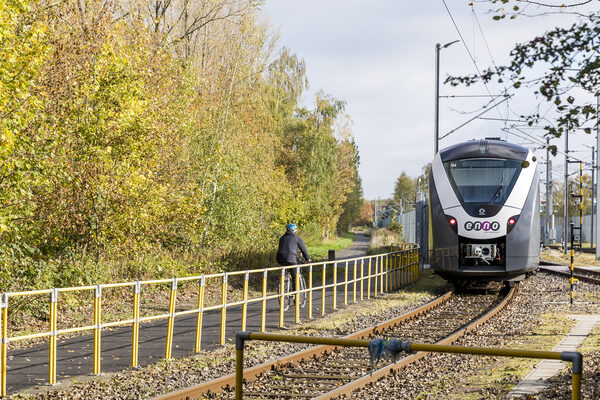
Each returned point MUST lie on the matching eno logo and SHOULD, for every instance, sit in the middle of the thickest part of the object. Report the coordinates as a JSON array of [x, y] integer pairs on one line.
[[482, 226]]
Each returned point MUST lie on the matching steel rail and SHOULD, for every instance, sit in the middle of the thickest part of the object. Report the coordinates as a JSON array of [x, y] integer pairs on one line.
[[251, 374], [402, 363], [583, 278]]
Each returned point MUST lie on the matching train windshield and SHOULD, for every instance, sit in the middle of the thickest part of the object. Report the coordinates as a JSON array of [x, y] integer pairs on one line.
[[483, 180]]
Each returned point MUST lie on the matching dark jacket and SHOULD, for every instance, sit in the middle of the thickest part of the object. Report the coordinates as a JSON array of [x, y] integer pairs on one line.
[[289, 244]]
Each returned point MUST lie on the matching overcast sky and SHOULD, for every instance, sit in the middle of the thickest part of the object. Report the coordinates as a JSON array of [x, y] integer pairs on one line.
[[379, 57]]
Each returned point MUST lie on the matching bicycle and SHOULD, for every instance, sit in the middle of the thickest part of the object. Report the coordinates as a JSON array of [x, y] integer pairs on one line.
[[288, 287]]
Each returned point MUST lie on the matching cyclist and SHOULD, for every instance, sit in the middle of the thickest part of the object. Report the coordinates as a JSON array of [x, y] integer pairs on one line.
[[287, 252]]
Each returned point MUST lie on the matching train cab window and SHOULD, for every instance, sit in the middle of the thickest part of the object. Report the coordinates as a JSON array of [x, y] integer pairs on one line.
[[483, 180]]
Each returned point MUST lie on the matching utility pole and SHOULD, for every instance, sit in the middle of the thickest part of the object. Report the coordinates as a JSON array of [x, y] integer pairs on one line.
[[592, 204], [375, 213], [550, 236], [436, 119], [544, 234], [566, 199], [598, 175]]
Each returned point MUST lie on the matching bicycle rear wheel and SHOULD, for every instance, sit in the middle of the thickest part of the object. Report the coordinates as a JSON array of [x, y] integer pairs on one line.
[[303, 294], [287, 288]]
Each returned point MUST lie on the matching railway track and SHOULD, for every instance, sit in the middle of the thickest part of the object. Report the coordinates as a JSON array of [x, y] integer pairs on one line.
[[583, 274], [325, 372]]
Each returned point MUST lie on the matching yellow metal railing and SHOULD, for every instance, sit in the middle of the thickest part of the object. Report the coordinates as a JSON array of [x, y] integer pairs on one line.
[[384, 272], [575, 358]]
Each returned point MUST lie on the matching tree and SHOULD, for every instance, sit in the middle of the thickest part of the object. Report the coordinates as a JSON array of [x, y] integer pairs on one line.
[[567, 58], [366, 213], [405, 189], [23, 50], [423, 179], [157, 132], [354, 201], [573, 203]]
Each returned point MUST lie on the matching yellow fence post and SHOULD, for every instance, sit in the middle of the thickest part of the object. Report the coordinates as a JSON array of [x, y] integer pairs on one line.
[[346, 283], [381, 275], [323, 289], [409, 262], [410, 265], [354, 281], [200, 314], [52, 350], [388, 282], [97, 328], [369, 279], [416, 251], [171, 321], [391, 272], [4, 308], [396, 271], [419, 257], [399, 270], [297, 299], [245, 299], [281, 296], [310, 279], [263, 311], [362, 277], [376, 276], [135, 329], [403, 266], [335, 285], [223, 309], [415, 264]]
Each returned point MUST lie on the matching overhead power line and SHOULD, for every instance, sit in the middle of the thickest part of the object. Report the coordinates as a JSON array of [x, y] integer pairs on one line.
[[469, 53]]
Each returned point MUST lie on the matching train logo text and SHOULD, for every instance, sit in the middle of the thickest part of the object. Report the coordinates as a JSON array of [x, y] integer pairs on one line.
[[482, 226]]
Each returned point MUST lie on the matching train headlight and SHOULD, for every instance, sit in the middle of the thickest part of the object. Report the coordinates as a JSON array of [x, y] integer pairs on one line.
[[512, 221], [453, 223]]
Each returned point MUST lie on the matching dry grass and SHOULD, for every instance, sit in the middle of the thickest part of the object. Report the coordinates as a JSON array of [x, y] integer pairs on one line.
[[558, 256]]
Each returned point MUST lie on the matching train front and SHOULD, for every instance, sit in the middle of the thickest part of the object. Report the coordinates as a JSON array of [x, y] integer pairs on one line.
[[484, 212]]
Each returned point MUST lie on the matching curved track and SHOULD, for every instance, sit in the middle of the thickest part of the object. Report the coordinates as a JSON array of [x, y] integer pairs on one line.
[[325, 372], [583, 274]]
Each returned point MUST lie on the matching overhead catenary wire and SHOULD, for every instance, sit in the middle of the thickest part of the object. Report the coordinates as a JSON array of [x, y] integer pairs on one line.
[[469, 53], [534, 139]]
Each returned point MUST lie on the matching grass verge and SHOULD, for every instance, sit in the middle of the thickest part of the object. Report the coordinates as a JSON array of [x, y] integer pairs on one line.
[[318, 250]]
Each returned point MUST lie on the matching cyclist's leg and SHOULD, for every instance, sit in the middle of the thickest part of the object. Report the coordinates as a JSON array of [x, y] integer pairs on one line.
[[293, 276]]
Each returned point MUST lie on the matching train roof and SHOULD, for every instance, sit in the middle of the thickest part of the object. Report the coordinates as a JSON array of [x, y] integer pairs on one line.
[[487, 148]]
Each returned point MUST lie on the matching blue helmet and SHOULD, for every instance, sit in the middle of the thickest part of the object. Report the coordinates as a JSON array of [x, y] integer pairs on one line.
[[292, 227]]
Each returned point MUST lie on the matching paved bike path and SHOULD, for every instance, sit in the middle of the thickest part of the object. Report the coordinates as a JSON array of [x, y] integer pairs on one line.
[[28, 368]]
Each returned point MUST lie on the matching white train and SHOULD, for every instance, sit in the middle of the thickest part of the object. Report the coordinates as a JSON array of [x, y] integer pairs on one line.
[[484, 212]]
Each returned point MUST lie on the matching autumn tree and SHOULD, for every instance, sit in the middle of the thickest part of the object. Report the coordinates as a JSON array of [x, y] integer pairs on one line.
[[157, 138], [23, 49], [366, 213]]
